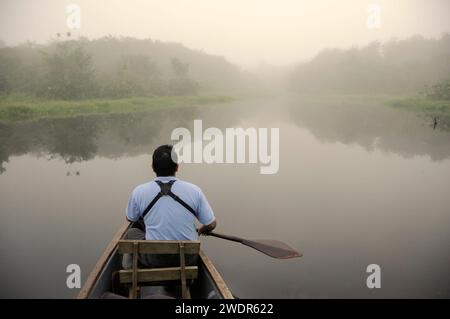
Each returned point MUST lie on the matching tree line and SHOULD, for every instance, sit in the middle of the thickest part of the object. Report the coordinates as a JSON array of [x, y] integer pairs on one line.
[[112, 68], [415, 64]]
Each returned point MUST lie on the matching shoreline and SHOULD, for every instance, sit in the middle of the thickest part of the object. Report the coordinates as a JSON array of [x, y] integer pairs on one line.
[[16, 109], [422, 106]]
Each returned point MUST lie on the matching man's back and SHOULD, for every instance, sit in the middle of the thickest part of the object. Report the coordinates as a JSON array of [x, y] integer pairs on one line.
[[168, 219]]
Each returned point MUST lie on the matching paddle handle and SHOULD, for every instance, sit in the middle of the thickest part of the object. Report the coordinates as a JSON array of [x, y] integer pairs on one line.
[[227, 237]]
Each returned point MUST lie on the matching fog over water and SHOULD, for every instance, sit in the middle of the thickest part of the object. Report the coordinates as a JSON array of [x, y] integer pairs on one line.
[[359, 91], [350, 191]]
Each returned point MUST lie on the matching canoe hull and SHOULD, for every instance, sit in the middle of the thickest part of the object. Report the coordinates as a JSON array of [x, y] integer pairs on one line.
[[208, 285]]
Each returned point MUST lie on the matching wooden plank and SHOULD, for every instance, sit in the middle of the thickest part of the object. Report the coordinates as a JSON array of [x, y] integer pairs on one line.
[[159, 246], [183, 272], [92, 278], [158, 274], [133, 294], [220, 283]]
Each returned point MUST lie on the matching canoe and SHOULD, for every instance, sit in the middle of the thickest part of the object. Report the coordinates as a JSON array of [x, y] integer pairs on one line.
[[208, 285]]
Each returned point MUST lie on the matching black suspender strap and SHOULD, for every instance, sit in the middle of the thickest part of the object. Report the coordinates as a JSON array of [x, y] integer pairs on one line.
[[182, 202], [166, 190], [152, 203]]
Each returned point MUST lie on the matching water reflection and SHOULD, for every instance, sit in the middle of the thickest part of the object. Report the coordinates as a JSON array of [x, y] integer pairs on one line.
[[372, 126], [82, 138], [357, 184]]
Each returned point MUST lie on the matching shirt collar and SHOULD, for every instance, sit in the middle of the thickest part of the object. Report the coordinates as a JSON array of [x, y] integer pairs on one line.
[[165, 178]]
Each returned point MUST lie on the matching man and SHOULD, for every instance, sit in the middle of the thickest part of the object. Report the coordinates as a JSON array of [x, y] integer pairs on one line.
[[169, 208]]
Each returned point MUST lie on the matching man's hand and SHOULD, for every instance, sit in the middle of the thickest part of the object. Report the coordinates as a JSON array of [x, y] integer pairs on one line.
[[205, 229]]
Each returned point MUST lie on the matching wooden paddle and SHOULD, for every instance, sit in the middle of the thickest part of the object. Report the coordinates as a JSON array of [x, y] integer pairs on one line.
[[272, 248]]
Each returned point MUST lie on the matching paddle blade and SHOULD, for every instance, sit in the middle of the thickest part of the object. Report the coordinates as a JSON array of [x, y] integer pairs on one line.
[[273, 248]]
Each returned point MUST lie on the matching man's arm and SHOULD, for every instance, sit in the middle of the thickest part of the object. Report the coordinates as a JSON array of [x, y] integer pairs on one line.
[[205, 214], [129, 220], [132, 213], [207, 228]]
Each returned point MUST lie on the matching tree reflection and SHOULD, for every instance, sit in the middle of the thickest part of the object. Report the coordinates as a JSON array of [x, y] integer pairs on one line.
[[81, 138], [371, 125]]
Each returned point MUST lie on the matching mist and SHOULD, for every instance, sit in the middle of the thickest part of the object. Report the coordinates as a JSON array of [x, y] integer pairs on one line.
[[245, 32], [356, 92]]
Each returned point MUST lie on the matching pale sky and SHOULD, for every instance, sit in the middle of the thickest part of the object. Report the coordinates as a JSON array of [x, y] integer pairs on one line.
[[246, 32]]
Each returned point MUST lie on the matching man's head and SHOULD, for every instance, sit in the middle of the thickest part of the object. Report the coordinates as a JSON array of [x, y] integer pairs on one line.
[[163, 165]]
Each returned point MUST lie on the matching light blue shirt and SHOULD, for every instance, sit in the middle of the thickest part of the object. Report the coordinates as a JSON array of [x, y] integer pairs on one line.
[[168, 219]]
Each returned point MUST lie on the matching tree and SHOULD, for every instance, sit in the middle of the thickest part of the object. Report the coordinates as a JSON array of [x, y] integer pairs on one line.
[[138, 75], [181, 69], [181, 84], [9, 66], [68, 72], [440, 91]]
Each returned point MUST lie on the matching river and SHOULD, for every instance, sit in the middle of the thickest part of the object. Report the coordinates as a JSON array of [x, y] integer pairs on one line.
[[358, 184]]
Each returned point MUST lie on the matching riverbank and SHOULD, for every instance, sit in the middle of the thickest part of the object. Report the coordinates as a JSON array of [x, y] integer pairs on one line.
[[435, 111], [424, 107], [24, 108]]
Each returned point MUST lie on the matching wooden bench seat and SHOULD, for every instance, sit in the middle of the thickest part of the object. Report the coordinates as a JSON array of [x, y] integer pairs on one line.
[[137, 275]]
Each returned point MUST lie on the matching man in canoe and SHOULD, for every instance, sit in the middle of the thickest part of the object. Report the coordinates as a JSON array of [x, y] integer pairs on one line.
[[168, 207]]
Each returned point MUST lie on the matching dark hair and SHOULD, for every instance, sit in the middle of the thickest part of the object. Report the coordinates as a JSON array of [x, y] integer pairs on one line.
[[163, 165]]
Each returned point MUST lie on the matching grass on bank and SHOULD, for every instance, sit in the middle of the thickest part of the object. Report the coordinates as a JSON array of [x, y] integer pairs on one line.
[[434, 108], [24, 108], [439, 110], [422, 105], [415, 103], [409, 102]]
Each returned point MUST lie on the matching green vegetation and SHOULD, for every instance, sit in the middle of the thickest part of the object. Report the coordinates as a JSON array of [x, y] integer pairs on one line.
[[67, 72], [435, 103], [396, 67], [15, 108], [114, 68], [108, 75], [439, 91], [426, 106]]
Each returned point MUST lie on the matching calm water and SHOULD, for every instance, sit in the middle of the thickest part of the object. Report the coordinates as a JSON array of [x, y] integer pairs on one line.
[[358, 184]]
